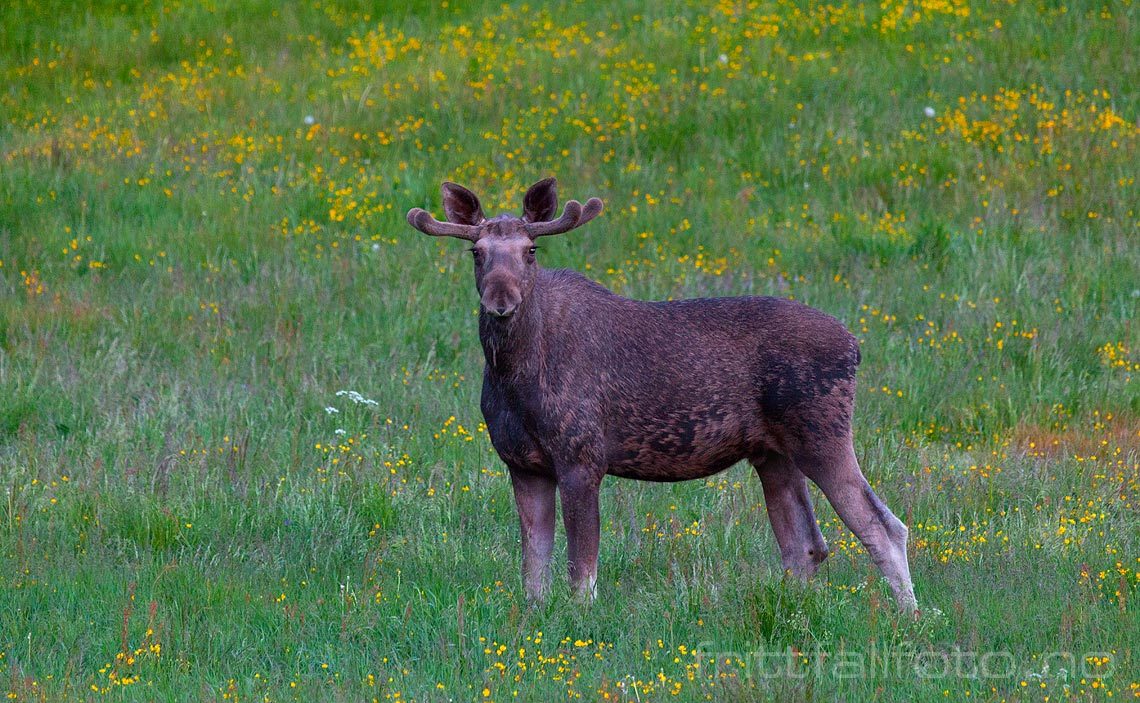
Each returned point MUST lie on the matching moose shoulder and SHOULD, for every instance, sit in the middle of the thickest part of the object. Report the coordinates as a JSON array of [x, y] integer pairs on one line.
[[580, 383]]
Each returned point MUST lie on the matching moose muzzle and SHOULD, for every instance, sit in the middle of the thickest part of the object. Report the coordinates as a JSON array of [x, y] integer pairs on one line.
[[501, 298]]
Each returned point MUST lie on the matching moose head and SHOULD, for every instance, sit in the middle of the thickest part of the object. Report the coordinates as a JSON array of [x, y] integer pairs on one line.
[[503, 247]]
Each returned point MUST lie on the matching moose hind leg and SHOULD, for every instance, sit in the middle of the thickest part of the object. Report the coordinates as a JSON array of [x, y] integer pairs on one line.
[[802, 547], [882, 534], [535, 500]]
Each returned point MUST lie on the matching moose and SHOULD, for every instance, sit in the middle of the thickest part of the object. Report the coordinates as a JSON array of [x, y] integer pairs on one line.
[[580, 382]]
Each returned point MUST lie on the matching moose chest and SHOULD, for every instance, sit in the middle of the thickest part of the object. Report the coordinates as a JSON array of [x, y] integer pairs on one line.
[[536, 429], [506, 411]]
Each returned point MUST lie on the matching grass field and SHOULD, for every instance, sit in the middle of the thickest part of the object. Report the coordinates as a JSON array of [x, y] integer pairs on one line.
[[240, 443]]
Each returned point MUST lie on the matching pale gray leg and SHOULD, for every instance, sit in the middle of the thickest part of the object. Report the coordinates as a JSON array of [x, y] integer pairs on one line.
[[786, 496], [882, 534], [534, 498]]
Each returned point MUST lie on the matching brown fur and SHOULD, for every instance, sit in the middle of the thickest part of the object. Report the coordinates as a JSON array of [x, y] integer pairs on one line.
[[580, 383]]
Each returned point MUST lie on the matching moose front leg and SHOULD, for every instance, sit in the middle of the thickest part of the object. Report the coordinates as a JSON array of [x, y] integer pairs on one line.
[[578, 490], [534, 498]]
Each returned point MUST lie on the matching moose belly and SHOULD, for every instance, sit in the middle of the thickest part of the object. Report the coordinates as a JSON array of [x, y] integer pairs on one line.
[[676, 451]]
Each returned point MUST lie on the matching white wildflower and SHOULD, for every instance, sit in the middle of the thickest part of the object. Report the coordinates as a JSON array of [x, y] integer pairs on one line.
[[357, 398]]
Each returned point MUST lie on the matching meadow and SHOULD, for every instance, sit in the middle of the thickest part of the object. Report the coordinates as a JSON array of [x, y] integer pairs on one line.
[[240, 443]]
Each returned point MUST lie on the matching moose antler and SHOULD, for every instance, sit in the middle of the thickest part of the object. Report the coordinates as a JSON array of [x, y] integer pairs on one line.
[[424, 222], [573, 215]]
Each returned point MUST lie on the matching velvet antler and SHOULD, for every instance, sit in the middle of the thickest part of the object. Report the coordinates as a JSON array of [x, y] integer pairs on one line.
[[573, 215]]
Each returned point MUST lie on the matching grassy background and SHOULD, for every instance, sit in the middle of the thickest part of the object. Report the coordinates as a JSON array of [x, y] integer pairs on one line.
[[202, 244]]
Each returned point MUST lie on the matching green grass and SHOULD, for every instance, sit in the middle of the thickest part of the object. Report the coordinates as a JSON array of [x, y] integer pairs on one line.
[[202, 241]]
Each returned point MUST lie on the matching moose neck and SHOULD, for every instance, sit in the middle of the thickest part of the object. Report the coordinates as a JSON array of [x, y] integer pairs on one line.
[[511, 345]]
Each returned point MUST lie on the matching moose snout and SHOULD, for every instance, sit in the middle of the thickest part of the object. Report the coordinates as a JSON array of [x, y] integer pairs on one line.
[[501, 310], [500, 302]]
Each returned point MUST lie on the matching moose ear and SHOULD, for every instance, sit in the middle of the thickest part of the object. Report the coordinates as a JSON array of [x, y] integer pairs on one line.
[[461, 206], [540, 203]]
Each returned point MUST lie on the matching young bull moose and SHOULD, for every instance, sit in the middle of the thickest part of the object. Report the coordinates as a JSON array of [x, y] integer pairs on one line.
[[580, 383]]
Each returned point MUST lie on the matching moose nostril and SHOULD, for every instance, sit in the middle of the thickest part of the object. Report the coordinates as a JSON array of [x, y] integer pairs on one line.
[[499, 308], [500, 305]]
